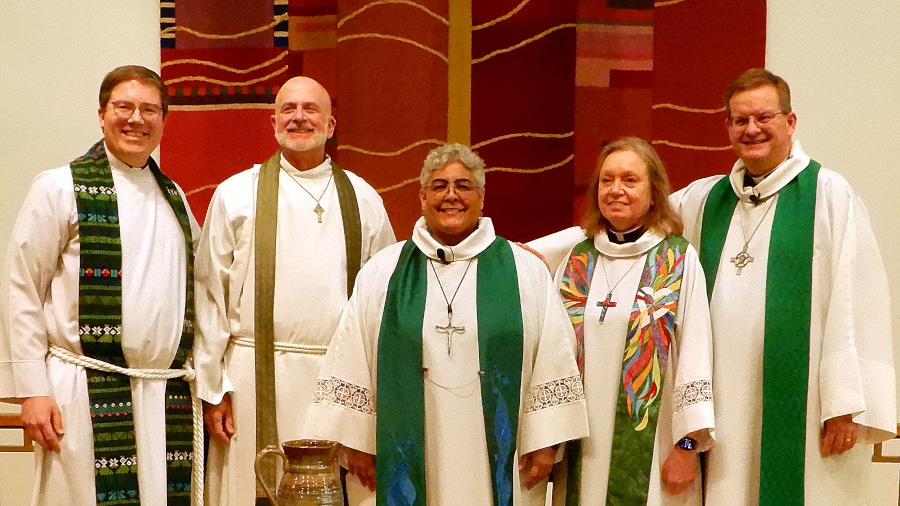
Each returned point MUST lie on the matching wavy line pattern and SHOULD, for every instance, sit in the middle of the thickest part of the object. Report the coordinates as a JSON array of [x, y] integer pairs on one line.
[[690, 146], [522, 134], [234, 36], [524, 42], [682, 108], [347, 147], [393, 37], [368, 6], [532, 171], [208, 63], [204, 79], [399, 185], [412, 180], [503, 17], [201, 189]]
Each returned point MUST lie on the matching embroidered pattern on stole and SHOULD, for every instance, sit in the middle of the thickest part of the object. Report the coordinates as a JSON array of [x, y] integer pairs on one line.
[[100, 330]]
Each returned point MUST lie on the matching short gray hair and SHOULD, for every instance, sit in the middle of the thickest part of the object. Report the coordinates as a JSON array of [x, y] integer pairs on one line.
[[442, 155]]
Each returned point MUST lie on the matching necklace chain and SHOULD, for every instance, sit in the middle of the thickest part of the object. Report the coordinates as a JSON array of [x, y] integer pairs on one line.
[[743, 259], [612, 288], [318, 209], [608, 302], [450, 329]]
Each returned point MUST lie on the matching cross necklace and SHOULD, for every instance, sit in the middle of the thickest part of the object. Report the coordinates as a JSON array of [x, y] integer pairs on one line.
[[449, 328], [318, 209], [743, 258], [608, 302]]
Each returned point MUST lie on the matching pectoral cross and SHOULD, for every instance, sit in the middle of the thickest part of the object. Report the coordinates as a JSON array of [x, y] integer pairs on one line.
[[742, 259], [318, 210], [449, 329], [607, 303]]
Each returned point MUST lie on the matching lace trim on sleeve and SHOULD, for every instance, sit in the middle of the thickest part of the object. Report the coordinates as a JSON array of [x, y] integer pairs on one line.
[[554, 393], [345, 394], [695, 392]]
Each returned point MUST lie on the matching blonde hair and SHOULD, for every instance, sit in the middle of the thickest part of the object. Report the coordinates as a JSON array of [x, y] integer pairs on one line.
[[661, 217]]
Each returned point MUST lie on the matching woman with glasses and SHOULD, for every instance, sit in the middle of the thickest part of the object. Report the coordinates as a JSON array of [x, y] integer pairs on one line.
[[636, 297]]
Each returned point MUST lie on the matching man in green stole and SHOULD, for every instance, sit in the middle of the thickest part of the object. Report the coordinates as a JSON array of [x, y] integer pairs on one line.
[[804, 375], [98, 314], [276, 261], [452, 374]]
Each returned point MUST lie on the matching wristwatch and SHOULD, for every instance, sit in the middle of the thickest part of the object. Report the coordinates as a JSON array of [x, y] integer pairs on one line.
[[687, 444]]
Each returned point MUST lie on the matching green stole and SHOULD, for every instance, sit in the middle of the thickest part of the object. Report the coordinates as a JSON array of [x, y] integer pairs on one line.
[[264, 325], [400, 425], [651, 328], [100, 329], [787, 325]]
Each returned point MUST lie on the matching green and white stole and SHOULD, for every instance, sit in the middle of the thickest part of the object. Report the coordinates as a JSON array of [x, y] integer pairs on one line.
[[265, 234], [400, 431], [100, 328], [787, 325], [651, 327]]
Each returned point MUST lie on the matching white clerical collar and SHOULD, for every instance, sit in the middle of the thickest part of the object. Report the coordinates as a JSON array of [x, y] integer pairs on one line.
[[119, 164], [319, 171], [772, 183], [629, 249], [468, 248]]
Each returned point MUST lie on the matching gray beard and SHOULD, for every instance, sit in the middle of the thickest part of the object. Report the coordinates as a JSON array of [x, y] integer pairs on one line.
[[317, 141]]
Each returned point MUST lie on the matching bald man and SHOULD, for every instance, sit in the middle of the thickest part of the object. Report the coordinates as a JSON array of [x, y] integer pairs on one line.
[[259, 339]]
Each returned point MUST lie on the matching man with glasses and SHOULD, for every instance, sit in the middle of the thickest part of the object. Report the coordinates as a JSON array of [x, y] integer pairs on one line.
[[804, 374], [276, 262], [99, 277], [452, 374]]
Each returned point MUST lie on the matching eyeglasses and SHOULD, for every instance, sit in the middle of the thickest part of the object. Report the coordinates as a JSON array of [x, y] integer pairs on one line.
[[462, 186], [741, 122], [126, 110]]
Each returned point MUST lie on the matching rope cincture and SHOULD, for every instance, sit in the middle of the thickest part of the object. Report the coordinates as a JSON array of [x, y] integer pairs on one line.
[[187, 372], [309, 349]]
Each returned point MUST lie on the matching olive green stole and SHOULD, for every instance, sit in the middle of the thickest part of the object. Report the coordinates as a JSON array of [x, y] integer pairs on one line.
[[651, 328], [265, 233], [100, 329], [400, 422], [787, 325]]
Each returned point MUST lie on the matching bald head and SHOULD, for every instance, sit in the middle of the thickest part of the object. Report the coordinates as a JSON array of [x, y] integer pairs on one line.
[[303, 121]]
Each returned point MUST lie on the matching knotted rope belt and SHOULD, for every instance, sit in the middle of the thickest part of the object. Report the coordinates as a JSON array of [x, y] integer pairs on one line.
[[308, 349], [187, 373]]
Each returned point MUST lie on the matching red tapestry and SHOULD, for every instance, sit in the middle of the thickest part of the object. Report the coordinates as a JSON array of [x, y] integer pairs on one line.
[[535, 86]]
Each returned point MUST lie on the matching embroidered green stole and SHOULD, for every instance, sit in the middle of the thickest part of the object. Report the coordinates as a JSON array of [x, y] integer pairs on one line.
[[651, 327], [400, 430], [100, 329], [787, 325], [265, 233]]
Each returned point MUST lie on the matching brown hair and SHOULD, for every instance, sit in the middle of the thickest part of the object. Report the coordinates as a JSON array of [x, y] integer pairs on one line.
[[126, 73], [661, 217], [755, 78]]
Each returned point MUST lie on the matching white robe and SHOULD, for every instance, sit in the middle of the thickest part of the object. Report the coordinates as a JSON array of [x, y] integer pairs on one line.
[[851, 368], [689, 364], [39, 308], [456, 469], [310, 292]]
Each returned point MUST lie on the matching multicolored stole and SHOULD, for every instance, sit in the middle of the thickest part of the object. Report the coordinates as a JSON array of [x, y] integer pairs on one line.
[[400, 425], [651, 327], [100, 328], [787, 325], [265, 234]]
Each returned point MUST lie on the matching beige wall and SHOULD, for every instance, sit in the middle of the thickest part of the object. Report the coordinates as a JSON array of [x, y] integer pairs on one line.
[[839, 57]]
